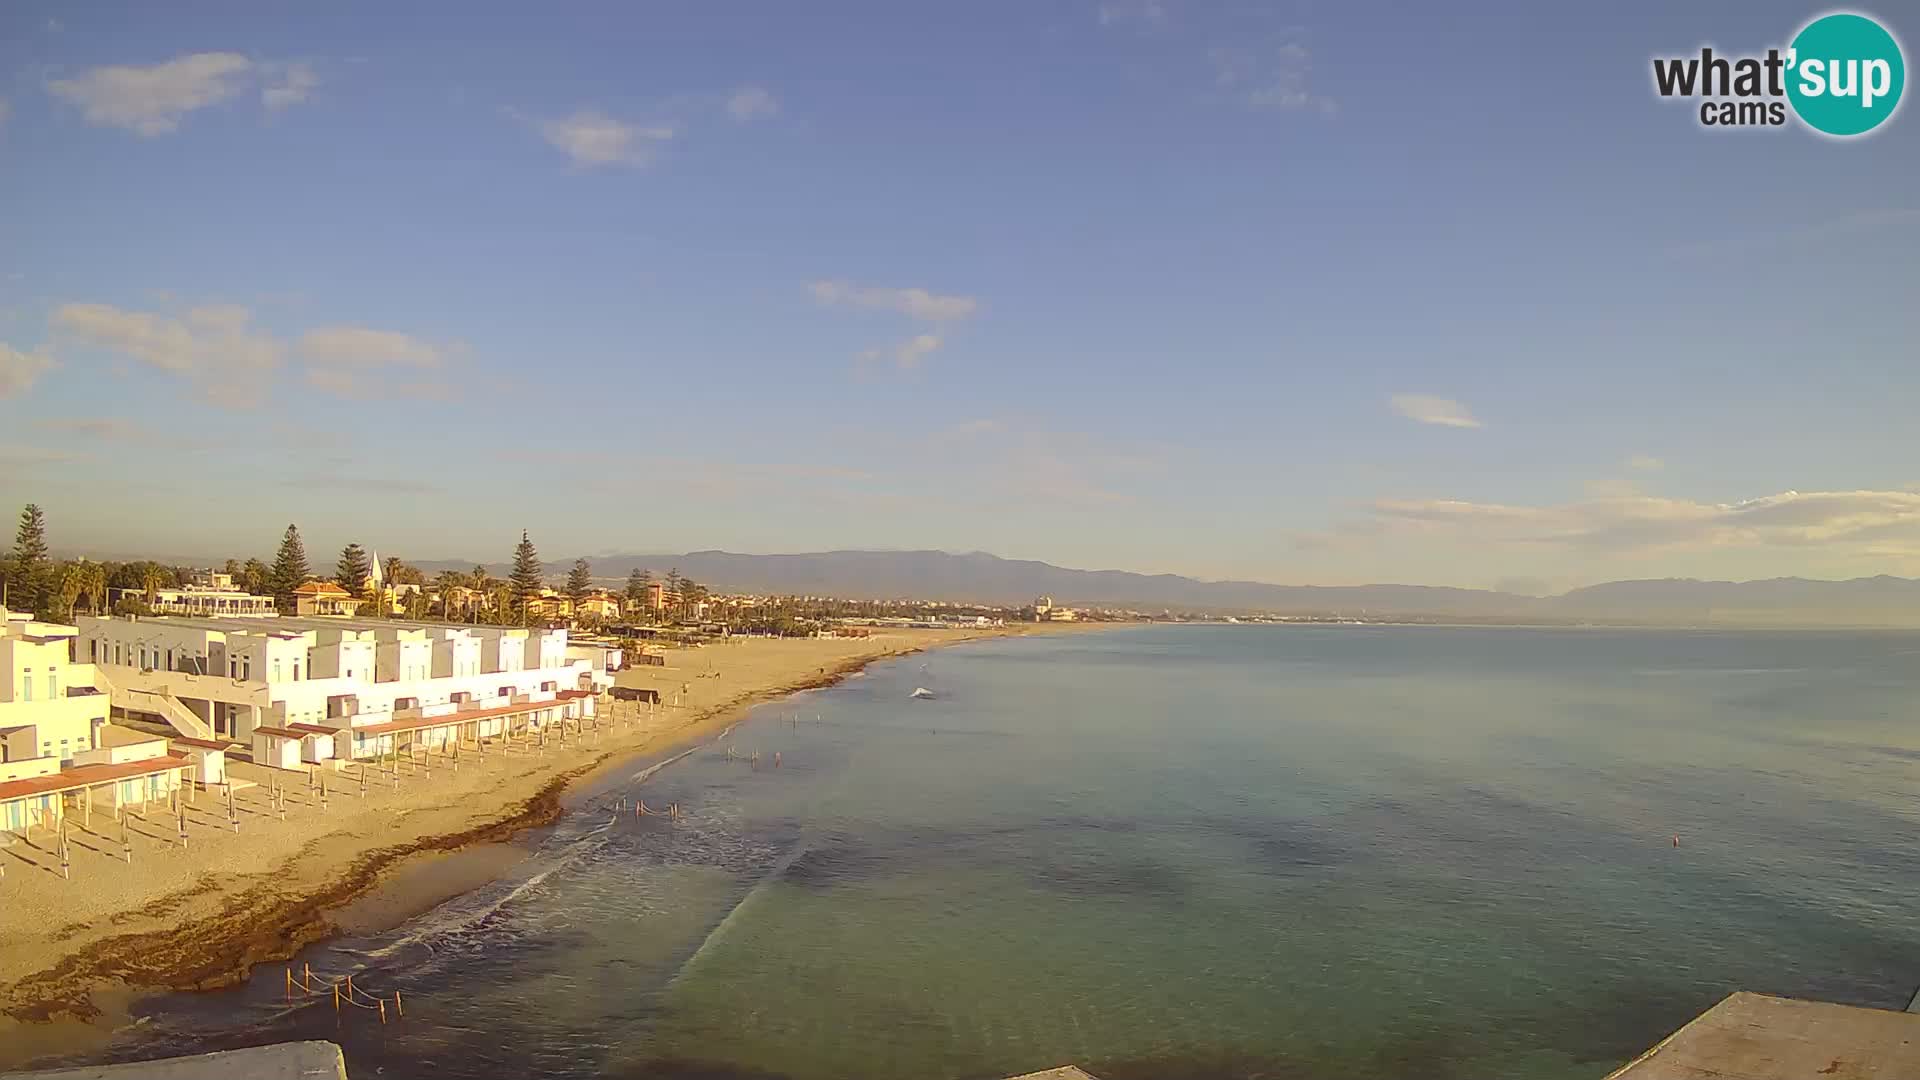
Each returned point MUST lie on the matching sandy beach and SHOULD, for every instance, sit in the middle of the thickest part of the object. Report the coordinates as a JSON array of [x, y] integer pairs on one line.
[[200, 918]]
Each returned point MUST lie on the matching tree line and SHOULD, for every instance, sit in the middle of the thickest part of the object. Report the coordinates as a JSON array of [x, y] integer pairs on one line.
[[32, 581]]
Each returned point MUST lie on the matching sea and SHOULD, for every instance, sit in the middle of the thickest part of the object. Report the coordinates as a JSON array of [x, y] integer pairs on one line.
[[1185, 853]]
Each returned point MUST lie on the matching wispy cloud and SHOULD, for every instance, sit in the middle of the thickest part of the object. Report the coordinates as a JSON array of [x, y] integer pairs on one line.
[[1430, 409], [20, 370], [1630, 523], [360, 346], [1270, 77], [153, 100], [915, 302], [907, 355], [751, 102], [290, 86], [593, 139], [364, 364], [1645, 463], [214, 348]]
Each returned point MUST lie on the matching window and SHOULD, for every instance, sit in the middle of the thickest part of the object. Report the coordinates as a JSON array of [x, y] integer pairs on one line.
[[53, 685], [26, 688]]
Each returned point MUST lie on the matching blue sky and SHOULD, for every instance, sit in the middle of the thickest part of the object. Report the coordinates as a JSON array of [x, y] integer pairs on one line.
[[1297, 292]]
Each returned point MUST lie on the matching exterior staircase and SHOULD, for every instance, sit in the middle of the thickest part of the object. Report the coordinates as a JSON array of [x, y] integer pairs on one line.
[[158, 702]]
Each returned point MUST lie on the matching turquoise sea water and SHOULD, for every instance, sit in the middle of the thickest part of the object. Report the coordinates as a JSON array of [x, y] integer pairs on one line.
[[1180, 852]]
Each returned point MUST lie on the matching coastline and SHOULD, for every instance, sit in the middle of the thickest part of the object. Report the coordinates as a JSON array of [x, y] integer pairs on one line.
[[212, 928]]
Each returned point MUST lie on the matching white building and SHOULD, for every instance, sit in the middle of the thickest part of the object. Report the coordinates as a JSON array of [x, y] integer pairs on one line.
[[210, 594], [357, 681], [50, 707]]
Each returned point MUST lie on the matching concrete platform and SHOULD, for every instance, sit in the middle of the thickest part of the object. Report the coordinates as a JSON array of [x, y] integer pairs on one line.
[[1757, 1037], [1064, 1072], [280, 1061]]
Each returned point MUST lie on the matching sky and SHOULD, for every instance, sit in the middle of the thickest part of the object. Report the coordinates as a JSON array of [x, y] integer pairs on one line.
[[1295, 292]]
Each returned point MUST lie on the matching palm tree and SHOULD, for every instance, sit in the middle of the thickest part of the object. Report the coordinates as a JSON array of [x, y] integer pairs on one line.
[[445, 582], [96, 587], [73, 582], [151, 579]]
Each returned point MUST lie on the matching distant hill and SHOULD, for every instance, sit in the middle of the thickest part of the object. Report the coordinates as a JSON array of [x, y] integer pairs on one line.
[[989, 579]]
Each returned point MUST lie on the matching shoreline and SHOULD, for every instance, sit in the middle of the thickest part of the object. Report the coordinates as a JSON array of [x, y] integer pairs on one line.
[[260, 921]]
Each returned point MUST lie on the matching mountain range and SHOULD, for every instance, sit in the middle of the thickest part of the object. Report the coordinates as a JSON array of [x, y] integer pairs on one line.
[[988, 579]]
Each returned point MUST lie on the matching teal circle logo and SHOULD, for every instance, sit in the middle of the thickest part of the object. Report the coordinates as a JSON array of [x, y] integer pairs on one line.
[[1845, 74]]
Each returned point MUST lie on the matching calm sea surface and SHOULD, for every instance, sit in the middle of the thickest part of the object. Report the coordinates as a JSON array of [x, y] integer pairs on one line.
[[1189, 852]]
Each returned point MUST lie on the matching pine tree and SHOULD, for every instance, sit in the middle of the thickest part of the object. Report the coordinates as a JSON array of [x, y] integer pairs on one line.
[[579, 581], [290, 569], [353, 569], [525, 578], [637, 586], [29, 574]]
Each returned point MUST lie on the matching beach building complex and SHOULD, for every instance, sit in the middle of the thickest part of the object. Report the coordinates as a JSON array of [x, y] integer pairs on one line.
[[308, 690], [55, 741], [210, 594], [50, 707]]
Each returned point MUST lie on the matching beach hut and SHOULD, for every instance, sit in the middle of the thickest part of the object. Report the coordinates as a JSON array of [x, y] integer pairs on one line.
[[316, 742], [637, 693], [277, 747], [207, 758]]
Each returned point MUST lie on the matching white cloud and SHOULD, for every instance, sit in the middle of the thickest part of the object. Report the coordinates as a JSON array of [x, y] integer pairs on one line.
[[1132, 13], [292, 87], [1429, 409], [749, 102], [357, 362], [1645, 463], [20, 370], [152, 100], [907, 355], [1271, 78], [592, 138], [212, 347], [918, 303], [360, 346], [1882, 520]]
